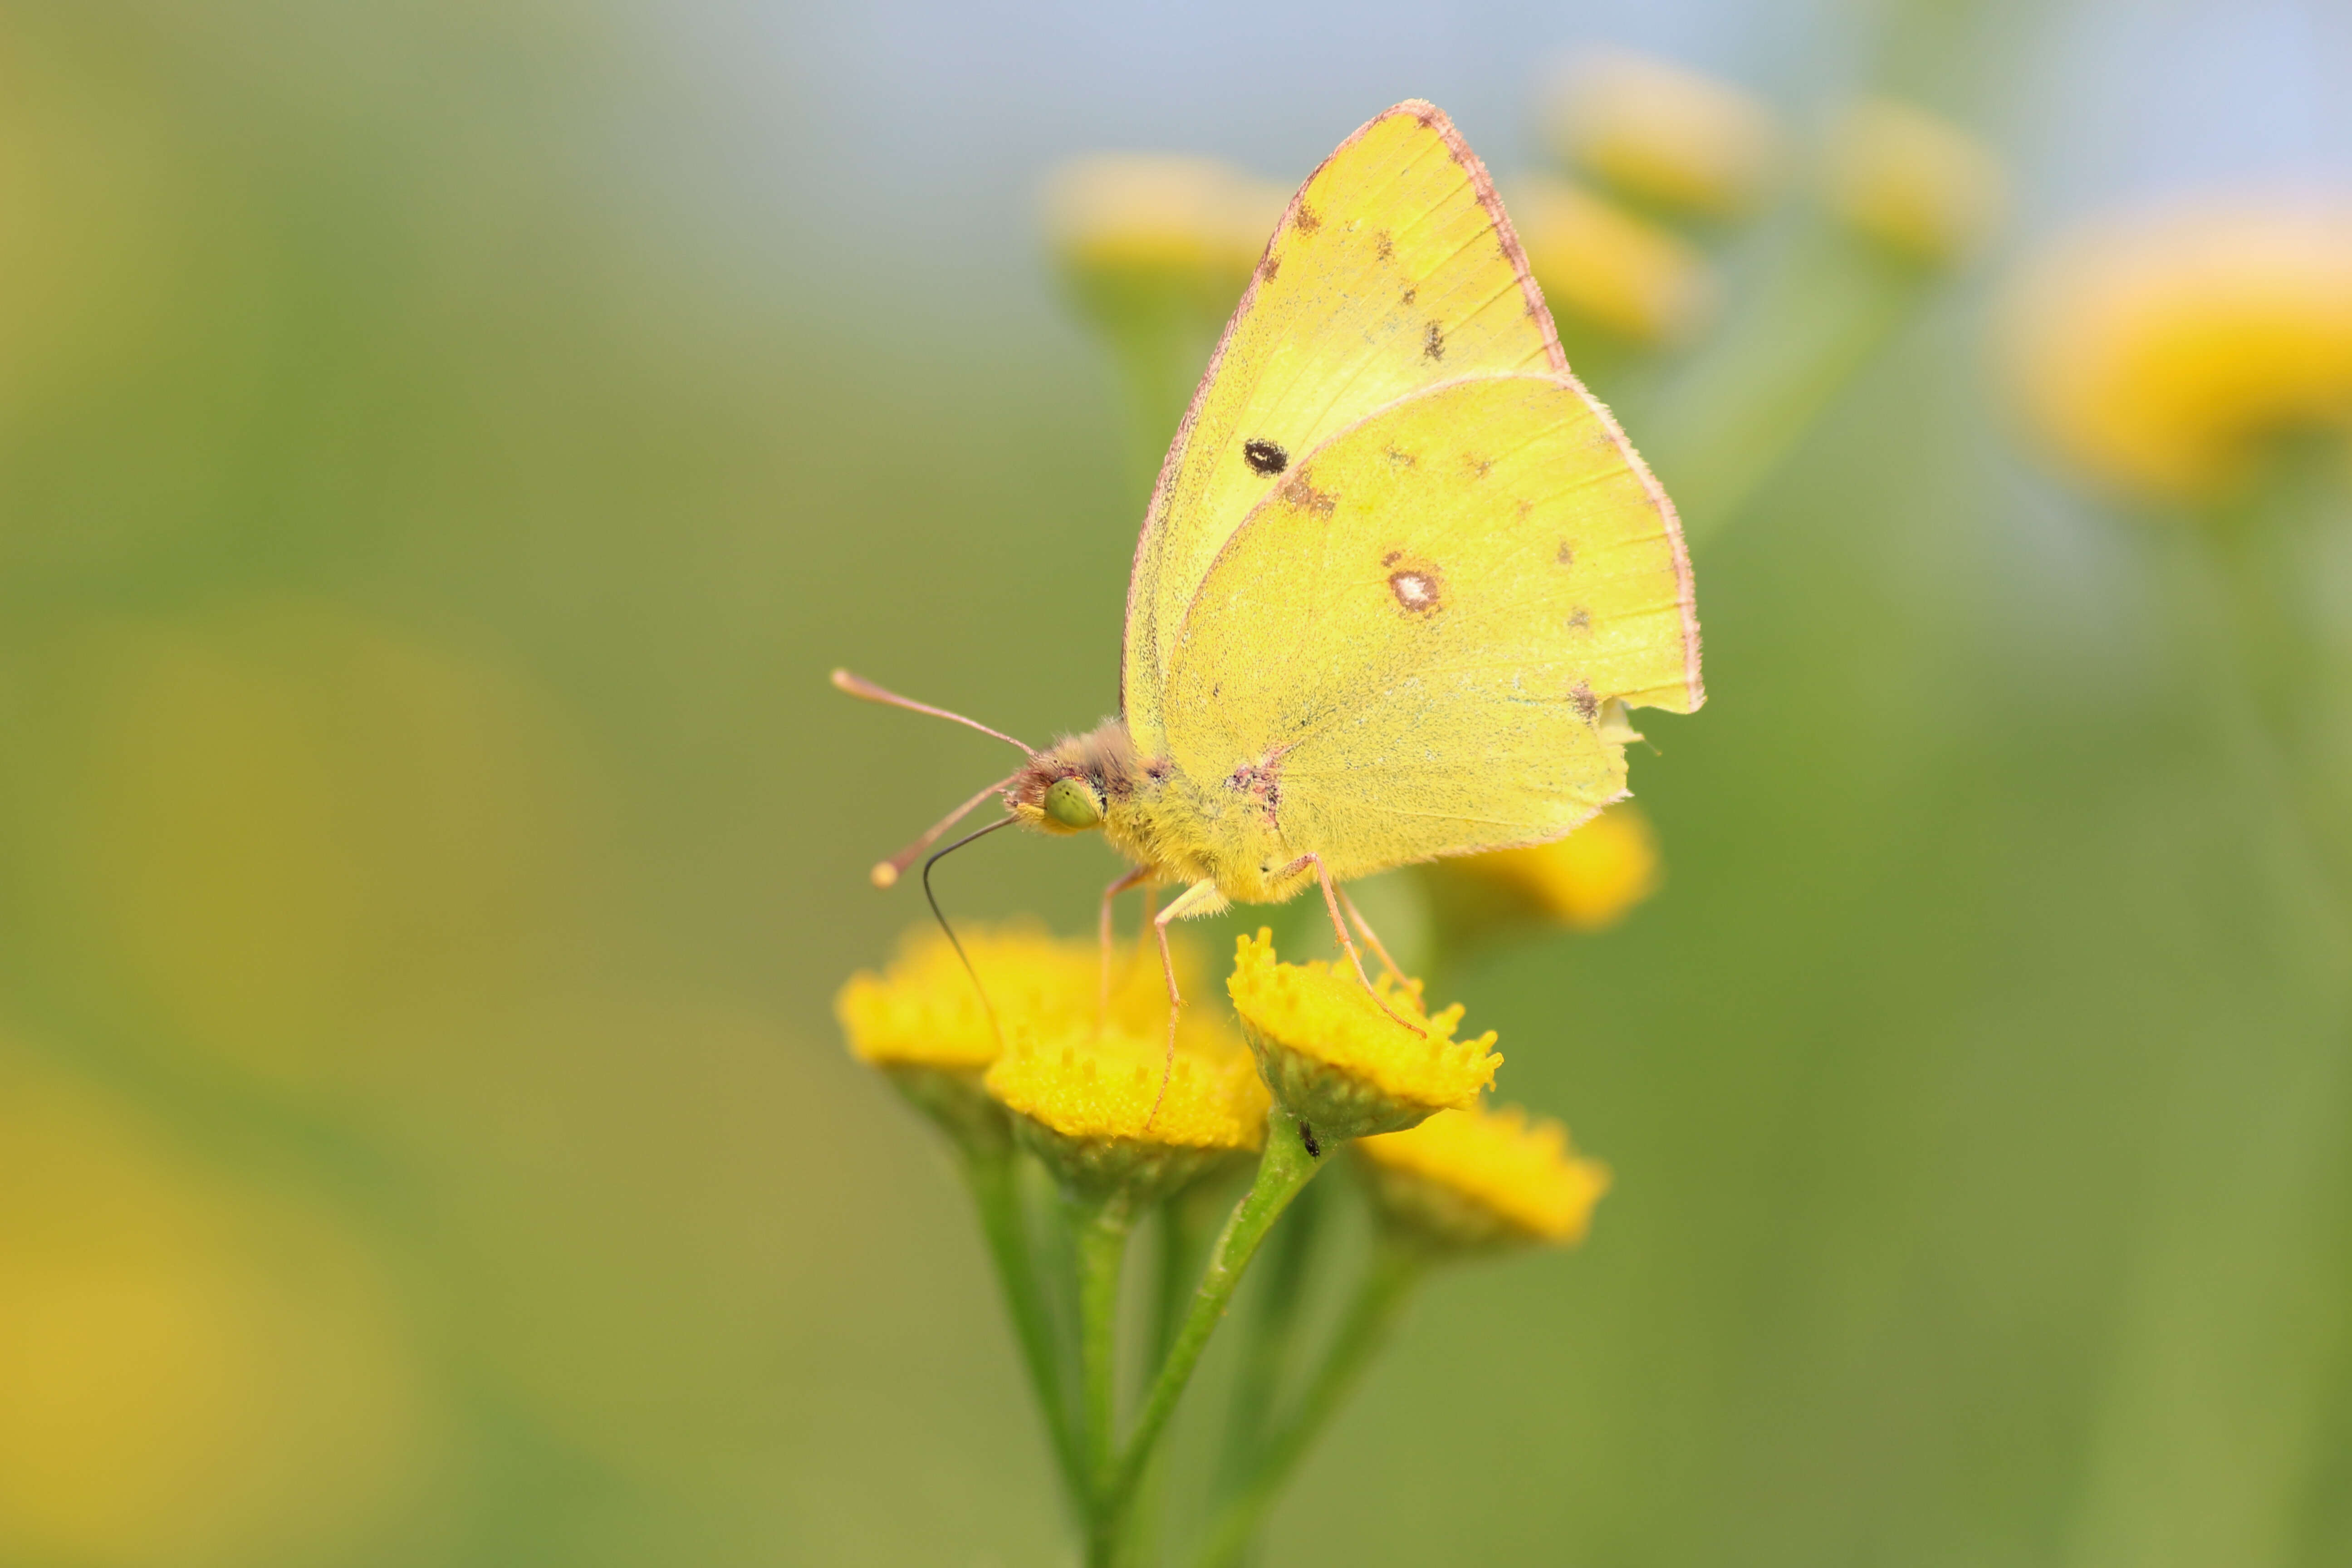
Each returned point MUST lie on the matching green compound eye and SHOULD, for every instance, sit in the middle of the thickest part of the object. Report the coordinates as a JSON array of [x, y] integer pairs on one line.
[[1073, 803]]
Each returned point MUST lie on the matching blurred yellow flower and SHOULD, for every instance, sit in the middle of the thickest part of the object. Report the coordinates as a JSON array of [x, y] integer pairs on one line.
[[1150, 233], [1336, 1061], [303, 830], [1090, 1101], [1481, 1177], [1596, 261], [1588, 881], [1663, 134], [191, 1369], [1917, 183], [2162, 352]]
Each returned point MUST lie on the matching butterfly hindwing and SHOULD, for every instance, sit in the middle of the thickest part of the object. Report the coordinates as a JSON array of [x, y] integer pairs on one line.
[[1394, 268], [1406, 650]]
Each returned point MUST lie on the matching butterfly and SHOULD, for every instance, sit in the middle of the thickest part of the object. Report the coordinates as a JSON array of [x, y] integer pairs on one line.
[[1400, 582]]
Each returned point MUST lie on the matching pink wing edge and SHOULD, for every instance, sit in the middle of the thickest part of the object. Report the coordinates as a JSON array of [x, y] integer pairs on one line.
[[1436, 118]]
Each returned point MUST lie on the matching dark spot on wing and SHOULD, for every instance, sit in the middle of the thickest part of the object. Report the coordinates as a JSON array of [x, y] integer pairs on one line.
[[1567, 556], [1261, 782], [1382, 246], [1432, 343], [1580, 619], [1392, 557], [1307, 222], [1417, 592], [1411, 295], [1302, 495], [1264, 457], [1269, 267], [1580, 697], [1403, 460], [1476, 466]]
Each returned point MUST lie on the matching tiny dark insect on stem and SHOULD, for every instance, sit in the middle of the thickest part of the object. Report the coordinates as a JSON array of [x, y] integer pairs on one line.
[[1306, 1138]]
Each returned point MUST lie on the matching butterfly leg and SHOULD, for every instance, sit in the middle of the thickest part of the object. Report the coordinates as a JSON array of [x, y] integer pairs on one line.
[[1331, 897], [1102, 1005], [1372, 940], [1201, 898]]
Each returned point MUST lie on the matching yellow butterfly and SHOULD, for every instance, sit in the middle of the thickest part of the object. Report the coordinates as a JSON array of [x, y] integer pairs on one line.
[[1401, 578]]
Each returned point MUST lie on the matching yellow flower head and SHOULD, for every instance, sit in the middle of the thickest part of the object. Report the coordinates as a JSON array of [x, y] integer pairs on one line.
[[1090, 1101], [924, 1011], [1479, 1178], [1338, 1063], [1916, 183], [2163, 353], [1588, 881], [922, 1021], [1663, 134], [1597, 262], [1139, 231]]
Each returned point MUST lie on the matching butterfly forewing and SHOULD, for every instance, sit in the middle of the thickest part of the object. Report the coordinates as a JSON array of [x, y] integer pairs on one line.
[[1393, 269], [1405, 650]]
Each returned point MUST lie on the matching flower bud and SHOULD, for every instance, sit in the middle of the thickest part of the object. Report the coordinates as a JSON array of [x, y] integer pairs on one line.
[[2165, 354], [1914, 183], [1587, 881], [1479, 1179], [1600, 264], [1665, 135], [1144, 238]]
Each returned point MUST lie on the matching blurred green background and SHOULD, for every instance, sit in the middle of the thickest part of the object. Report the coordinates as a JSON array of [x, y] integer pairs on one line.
[[443, 445]]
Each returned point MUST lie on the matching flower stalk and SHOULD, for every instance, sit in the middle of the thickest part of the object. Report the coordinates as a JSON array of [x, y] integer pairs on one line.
[[1101, 1229], [1390, 1279], [1283, 1172], [993, 1175]]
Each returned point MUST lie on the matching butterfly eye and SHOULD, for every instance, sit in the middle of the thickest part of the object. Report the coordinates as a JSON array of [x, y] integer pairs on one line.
[[1073, 803]]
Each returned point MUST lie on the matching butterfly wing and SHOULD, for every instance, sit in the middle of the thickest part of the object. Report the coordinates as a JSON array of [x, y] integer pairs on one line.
[[1407, 649], [1394, 268]]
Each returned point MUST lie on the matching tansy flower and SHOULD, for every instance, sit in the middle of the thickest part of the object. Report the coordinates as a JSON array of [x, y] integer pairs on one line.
[[1596, 261], [1588, 881], [1916, 183], [1336, 1060], [1091, 1102], [922, 1021], [2163, 353], [1481, 1178], [1141, 234], [1663, 133]]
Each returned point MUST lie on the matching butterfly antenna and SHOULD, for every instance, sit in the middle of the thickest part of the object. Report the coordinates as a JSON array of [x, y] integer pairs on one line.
[[857, 686], [939, 915], [885, 873]]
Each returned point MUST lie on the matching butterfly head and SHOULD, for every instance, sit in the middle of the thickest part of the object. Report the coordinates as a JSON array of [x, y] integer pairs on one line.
[[1071, 785]]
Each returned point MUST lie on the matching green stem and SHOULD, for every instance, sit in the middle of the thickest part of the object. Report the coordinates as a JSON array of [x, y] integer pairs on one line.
[[1268, 1334], [1101, 1231], [1388, 1284], [1186, 1220], [1284, 1169], [993, 1175]]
